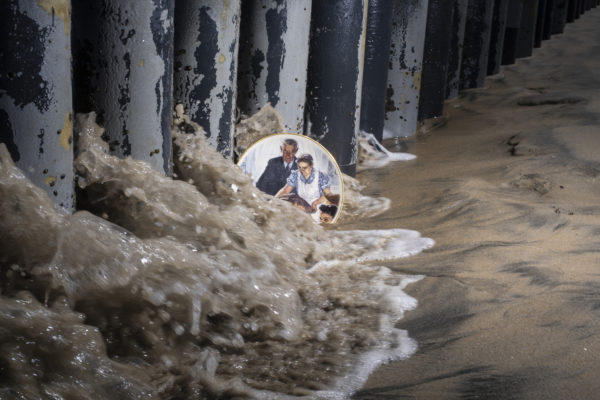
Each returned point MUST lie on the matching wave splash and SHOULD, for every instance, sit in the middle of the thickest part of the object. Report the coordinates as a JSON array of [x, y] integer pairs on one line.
[[196, 287]]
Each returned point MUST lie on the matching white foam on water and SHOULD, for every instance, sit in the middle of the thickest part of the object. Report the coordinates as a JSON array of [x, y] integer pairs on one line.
[[374, 155], [210, 287]]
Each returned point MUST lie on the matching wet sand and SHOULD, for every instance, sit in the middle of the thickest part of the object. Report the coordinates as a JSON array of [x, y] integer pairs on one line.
[[509, 188]]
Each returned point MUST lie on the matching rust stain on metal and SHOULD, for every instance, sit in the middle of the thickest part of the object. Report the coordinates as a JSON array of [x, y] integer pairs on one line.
[[66, 133], [60, 8], [50, 180]]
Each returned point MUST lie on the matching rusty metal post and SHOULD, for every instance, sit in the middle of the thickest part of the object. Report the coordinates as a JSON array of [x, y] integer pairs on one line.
[[539, 25], [377, 48], [459, 23], [123, 70], [511, 34], [477, 43], [273, 58], [36, 92], [497, 36], [406, 66], [527, 30], [335, 69], [206, 40], [435, 58]]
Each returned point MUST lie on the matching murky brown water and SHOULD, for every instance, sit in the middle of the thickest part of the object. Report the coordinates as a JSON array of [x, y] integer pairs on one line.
[[201, 287]]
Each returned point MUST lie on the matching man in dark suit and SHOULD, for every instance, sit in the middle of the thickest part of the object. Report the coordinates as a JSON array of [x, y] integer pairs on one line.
[[278, 169]]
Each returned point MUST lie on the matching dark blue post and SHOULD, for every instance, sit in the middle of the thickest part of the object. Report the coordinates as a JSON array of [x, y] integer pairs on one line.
[[435, 58], [206, 42], [497, 36], [559, 18], [477, 43], [273, 58], [335, 77], [459, 24], [511, 35], [539, 25], [123, 70], [36, 94], [527, 30], [377, 49]]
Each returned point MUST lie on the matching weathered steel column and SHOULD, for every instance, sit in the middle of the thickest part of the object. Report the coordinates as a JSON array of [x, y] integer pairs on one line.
[[335, 69], [459, 22], [539, 25], [206, 40], [550, 5], [273, 58], [406, 65], [527, 29], [35, 93], [377, 54], [559, 18], [477, 43], [435, 58], [497, 36], [513, 23], [123, 70]]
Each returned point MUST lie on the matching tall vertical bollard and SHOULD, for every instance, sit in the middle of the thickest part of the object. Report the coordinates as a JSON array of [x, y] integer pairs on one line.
[[435, 58], [35, 93], [459, 23], [335, 69], [497, 36], [123, 70], [206, 40], [527, 30], [405, 68], [377, 48], [571, 10], [511, 35], [477, 43], [559, 19], [550, 6], [577, 9], [539, 25], [273, 57]]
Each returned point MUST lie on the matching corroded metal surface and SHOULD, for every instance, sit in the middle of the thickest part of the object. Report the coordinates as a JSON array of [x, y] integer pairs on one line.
[[273, 58], [406, 66], [123, 62], [35, 93], [206, 43]]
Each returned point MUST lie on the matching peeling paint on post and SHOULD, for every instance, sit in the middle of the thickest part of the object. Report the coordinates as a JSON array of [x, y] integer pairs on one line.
[[273, 58], [477, 43], [511, 34], [571, 10], [527, 29], [405, 68], [206, 43], [539, 25], [438, 35], [379, 32], [459, 23], [497, 36], [334, 80], [559, 18], [123, 63], [35, 93]]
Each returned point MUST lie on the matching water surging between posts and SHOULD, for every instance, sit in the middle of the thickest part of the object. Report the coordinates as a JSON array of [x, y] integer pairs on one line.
[[196, 287]]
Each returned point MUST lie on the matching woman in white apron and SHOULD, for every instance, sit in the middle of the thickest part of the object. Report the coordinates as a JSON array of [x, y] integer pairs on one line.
[[308, 182]]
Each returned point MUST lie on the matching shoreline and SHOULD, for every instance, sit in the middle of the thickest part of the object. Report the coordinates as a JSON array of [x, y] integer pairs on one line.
[[508, 188]]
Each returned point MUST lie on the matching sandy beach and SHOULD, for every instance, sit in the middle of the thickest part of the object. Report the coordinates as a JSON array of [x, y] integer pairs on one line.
[[509, 188]]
